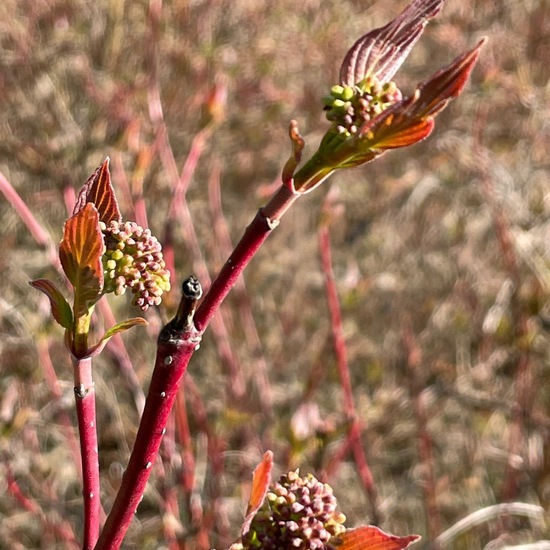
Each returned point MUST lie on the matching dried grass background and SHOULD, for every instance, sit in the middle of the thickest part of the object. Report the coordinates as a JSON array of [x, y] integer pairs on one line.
[[440, 254]]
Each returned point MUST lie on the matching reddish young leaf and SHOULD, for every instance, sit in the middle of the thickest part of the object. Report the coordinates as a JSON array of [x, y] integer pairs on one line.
[[100, 192], [260, 484], [382, 51], [61, 310], [411, 119], [80, 253], [369, 537]]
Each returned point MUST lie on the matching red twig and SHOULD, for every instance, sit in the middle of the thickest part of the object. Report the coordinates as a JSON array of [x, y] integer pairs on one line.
[[39, 234], [354, 435], [86, 414], [50, 376], [63, 531], [524, 377], [170, 365], [256, 233], [245, 309], [425, 449]]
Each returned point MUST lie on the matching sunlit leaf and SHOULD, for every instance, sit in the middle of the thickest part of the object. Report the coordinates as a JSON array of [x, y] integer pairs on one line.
[[260, 484], [435, 92], [61, 310], [119, 327], [403, 131], [100, 192], [411, 120], [369, 537], [382, 51], [80, 253]]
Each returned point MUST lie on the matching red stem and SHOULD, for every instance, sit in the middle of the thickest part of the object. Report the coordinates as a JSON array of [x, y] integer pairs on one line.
[[259, 367], [87, 427], [171, 363], [52, 381], [256, 233], [525, 389], [354, 434], [62, 531], [170, 366], [39, 234], [425, 447]]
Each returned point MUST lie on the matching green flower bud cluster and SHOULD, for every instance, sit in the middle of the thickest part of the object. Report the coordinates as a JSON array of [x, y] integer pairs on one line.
[[298, 512], [349, 107], [133, 259]]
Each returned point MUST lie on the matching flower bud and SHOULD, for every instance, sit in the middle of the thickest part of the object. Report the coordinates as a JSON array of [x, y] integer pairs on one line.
[[133, 259], [298, 512]]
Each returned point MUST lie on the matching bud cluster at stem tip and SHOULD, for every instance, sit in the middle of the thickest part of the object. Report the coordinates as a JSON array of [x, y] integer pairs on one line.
[[298, 512], [349, 107], [133, 259]]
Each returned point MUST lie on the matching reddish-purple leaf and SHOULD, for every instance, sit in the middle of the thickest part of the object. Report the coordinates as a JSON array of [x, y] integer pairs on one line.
[[382, 51], [100, 192], [411, 120], [445, 84], [80, 253], [260, 484], [369, 537], [61, 310]]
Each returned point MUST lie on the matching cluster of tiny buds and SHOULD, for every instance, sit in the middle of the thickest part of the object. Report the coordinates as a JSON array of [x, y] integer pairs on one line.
[[133, 259], [349, 107], [298, 512]]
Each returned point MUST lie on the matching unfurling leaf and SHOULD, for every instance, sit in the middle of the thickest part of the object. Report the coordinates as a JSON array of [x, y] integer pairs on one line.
[[369, 537], [99, 191], [80, 253], [381, 52], [368, 113], [260, 484], [61, 310]]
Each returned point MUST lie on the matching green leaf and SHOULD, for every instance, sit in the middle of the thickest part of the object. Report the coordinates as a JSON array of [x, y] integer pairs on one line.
[[119, 327], [80, 253], [99, 191], [125, 325], [260, 484], [61, 310], [369, 537]]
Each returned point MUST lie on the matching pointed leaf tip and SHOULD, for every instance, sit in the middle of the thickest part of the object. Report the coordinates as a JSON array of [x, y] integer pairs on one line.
[[61, 310], [99, 191]]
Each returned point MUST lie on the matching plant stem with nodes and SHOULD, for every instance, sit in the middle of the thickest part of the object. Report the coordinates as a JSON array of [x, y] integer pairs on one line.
[[176, 343]]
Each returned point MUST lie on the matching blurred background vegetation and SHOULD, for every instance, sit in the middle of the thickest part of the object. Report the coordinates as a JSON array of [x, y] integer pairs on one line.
[[440, 256]]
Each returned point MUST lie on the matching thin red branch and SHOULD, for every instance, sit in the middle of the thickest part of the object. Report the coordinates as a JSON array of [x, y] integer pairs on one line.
[[19, 205], [524, 376], [413, 357], [62, 531], [340, 349], [255, 234], [87, 427], [170, 366], [246, 318], [52, 381]]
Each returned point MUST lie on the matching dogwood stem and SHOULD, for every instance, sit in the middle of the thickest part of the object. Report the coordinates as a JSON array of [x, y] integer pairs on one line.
[[176, 344], [254, 236], [87, 427]]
